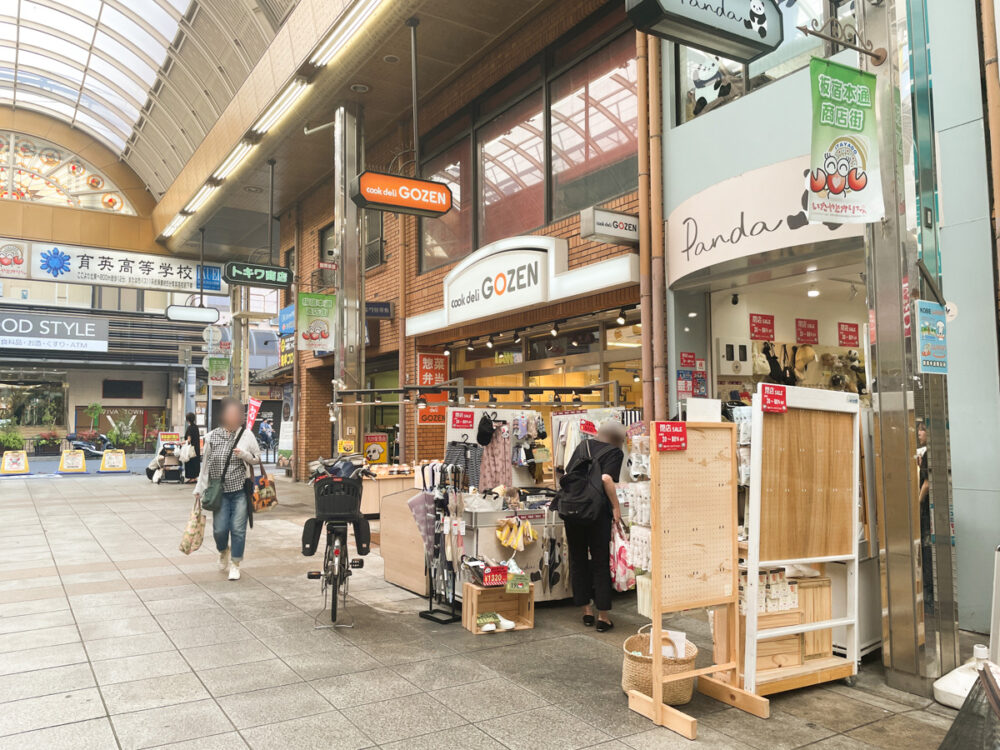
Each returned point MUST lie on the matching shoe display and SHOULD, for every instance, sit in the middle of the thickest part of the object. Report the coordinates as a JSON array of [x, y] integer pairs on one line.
[[487, 622], [234, 572], [224, 560]]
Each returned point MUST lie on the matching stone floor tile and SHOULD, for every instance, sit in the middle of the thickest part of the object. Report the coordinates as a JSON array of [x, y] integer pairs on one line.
[[209, 635], [36, 621], [93, 631], [401, 718], [94, 734], [465, 737], [160, 726], [129, 645], [34, 607], [608, 711], [131, 668], [403, 652], [449, 671], [314, 640], [326, 731], [226, 654], [84, 615], [547, 727], [358, 688], [42, 658], [50, 710], [781, 731], [153, 692], [488, 699], [343, 660], [660, 738], [826, 708], [205, 618], [225, 741], [41, 682], [272, 705], [22, 640], [841, 742], [242, 678], [899, 732]]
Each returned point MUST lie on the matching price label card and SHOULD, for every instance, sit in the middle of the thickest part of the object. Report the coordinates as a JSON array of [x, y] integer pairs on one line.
[[587, 427], [495, 575], [773, 399], [671, 436], [462, 419]]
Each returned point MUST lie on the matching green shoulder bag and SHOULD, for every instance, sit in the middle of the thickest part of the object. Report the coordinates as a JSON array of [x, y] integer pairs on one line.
[[212, 499]]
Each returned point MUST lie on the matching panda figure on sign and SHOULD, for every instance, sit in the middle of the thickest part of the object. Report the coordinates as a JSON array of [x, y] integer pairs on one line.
[[757, 20], [709, 84]]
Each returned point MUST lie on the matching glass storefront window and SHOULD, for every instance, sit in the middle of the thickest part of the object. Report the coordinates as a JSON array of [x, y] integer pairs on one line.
[[501, 354], [706, 82], [449, 238], [594, 124], [567, 343], [32, 404], [511, 151]]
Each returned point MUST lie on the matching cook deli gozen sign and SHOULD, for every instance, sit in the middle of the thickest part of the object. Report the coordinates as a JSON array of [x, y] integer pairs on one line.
[[52, 332], [405, 195]]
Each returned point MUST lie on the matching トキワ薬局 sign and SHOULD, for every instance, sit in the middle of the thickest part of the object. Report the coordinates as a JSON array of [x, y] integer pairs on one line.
[[845, 181], [315, 321]]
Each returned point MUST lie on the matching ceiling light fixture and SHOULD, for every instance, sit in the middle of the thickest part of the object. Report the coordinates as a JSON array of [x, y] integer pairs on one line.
[[517, 336], [692, 315], [489, 342], [811, 269], [555, 329], [493, 401], [576, 399], [344, 31], [813, 292], [470, 346], [854, 292], [173, 226], [391, 59], [556, 398], [635, 377], [233, 161], [378, 398], [421, 403], [200, 198], [447, 350], [406, 397], [360, 88], [280, 106], [620, 320]]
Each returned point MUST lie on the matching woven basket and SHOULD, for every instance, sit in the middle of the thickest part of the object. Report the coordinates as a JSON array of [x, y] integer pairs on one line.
[[637, 671]]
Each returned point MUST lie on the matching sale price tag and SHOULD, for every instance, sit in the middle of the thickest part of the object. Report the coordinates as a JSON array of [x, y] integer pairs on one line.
[[462, 419], [587, 427], [494, 575], [773, 399], [688, 360], [671, 436]]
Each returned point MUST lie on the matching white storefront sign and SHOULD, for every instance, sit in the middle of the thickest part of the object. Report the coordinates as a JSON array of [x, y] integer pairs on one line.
[[519, 272], [88, 265], [22, 330], [752, 213], [609, 226]]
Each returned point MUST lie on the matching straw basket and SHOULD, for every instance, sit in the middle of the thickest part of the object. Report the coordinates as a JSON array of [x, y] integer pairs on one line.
[[637, 671]]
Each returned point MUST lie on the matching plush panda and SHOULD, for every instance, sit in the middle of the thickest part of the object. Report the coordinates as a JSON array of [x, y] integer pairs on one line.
[[708, 84], [756, 20]]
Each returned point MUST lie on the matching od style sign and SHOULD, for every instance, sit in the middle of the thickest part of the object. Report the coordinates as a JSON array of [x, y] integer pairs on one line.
[[671, 436], [773, 399]]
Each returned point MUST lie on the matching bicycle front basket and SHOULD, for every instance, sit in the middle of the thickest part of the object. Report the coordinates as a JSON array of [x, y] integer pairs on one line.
[[337, 499]]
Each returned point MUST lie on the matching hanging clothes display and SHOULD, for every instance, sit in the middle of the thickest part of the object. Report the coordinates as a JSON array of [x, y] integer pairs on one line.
[[496, 468], [468, 456]]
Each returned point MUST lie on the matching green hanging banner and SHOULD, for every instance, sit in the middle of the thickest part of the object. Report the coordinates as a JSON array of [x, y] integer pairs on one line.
[[845, 181]]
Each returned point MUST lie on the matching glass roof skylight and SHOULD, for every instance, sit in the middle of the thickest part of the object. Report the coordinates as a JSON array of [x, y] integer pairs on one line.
[[90, 63]]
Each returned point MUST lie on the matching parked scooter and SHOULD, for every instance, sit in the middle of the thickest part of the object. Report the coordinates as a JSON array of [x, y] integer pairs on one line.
[[91, 448]]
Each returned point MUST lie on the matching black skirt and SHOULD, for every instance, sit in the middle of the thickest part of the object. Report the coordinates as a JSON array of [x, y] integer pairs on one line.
[[192, 468]]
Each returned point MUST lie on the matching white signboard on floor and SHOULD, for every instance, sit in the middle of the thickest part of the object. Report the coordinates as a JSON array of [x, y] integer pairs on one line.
[[755, 212]]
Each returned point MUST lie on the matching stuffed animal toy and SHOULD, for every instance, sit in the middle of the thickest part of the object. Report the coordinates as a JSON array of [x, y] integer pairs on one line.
[[804, 357]]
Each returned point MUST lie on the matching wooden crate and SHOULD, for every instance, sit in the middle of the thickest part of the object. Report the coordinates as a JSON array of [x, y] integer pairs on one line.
[[477, 600], [776, 652], [816, 603]]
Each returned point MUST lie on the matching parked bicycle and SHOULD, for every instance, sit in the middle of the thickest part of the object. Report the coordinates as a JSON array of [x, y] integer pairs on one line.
[[337, 488]]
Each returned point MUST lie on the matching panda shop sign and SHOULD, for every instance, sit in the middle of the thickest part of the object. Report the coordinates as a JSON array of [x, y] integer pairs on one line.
[[740, 30]]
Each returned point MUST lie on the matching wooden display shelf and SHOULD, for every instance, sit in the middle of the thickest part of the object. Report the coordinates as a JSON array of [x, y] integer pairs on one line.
[[477, 600], [811, 672]]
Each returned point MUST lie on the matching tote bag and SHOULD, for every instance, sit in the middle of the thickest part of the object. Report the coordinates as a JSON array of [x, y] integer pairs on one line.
[[194, 532]]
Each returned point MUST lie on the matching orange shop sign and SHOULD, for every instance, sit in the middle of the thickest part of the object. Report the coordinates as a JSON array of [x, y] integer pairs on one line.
[[406, 195], [431, 370]]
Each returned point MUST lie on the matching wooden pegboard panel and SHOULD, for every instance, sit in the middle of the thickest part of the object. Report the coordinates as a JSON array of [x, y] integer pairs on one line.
[[807, 478], [696, 495]]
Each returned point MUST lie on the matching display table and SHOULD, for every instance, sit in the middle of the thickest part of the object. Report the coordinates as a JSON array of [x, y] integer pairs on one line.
[[375, 489], [401, 545]]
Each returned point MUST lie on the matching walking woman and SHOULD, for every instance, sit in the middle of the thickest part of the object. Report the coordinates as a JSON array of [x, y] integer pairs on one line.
[[229, 523], [590, 543], [193, 437]]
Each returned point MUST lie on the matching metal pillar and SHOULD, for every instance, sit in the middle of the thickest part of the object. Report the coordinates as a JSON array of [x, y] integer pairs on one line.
[[348, 163], [919, 625]]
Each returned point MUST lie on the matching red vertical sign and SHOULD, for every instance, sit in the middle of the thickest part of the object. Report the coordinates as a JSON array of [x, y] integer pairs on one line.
[[431, 370], [671, 436], [806, 331], [687, 360], [253, 407], [761, 327], [848, 334]]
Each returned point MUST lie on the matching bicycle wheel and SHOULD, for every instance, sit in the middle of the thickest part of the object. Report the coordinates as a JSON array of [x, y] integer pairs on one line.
[[336, 549]]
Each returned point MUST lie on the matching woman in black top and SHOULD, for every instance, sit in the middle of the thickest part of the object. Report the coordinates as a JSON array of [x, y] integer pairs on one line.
[[590, 543], [192, 436]]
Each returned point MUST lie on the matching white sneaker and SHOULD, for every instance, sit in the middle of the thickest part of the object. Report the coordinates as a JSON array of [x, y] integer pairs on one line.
[[506, 624], [224, 560], [234, 572]]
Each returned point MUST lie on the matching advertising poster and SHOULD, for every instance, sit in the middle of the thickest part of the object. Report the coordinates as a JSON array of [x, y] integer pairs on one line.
[[253, 407], [315, 321], [14, 462], [218, 371], [806, 331], [849, 334], [72, 462], [432, 369], [761, 327], [113, 461], [376, 447], [685, 384], [933, 337], [845, 183]]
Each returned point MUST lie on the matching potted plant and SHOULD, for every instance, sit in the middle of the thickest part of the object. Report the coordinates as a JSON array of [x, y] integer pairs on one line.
[[47, 444], [10, 438], [94, 411]]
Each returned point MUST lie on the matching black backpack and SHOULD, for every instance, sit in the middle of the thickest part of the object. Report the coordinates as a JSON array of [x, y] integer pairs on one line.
[[484, 435], [581, 497]]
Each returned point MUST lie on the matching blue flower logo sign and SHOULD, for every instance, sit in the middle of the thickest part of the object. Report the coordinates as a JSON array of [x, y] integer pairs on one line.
[[55, 262]]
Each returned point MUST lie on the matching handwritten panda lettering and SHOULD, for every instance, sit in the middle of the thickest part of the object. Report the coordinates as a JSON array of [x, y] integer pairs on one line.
[[756, 20]]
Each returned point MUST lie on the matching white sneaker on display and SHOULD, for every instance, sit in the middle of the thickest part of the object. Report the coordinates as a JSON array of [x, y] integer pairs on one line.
[[224, 560], [506, 624], [234, 572]]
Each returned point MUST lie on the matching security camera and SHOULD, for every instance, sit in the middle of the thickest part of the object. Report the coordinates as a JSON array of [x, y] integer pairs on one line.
[[736, 299]]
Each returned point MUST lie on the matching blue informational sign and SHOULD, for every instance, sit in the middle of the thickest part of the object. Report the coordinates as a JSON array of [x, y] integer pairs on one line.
[[932, 336], [379, 310], [286, 320], [210, 278]]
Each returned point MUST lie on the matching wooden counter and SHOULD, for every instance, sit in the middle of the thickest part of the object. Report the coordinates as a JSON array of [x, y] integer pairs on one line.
[[375, 489], [401, 545]]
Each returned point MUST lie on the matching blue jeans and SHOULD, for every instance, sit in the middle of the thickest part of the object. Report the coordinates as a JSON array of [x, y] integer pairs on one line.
[[230, 523]]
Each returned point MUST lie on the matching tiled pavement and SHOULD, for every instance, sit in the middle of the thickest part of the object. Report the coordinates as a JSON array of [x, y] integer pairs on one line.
[[110, 637]]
